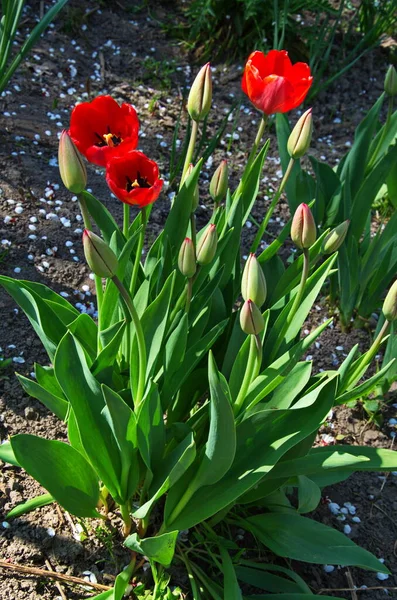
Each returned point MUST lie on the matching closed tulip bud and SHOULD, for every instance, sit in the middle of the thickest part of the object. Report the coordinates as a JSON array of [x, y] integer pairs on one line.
[[251, 319], [200, 95], [389, 308], [391, 81], [219, 182], [187, 259], [303, 227], [206, 248], [301, 136], [253, 284], [195, 199], [335, 238], [71, 166], [100, 258]]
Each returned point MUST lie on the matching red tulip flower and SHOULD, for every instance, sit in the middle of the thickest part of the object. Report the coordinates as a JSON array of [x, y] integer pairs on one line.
[[100, 126], [134, 178], [273, 83]]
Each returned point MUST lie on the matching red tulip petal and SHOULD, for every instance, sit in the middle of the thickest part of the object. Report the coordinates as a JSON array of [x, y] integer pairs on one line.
[[276, 62]]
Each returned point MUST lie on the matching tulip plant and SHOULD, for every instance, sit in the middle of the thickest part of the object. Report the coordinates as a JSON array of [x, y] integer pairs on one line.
[[188, 402]]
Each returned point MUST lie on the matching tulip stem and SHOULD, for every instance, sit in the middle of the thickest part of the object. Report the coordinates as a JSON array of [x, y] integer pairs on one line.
[[251, 372], [125, 513], [98, 280], [189, 287], [272, 206], [296, 303], [190, 150], [193, 231], [140, 338], [367, 358], [259, 136], [138, 252], [126, 220], [382, 137]]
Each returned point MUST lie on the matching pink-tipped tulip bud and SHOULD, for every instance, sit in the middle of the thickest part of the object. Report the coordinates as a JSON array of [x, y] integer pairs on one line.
[[195, 199], [253, 284], [100, 258], [200, 95], [219, 183], [303, 227], [251, 319], [389, 308], [71, 166], [206, 248], [335, 238], [187, 259], [391, 81], [301, 136]]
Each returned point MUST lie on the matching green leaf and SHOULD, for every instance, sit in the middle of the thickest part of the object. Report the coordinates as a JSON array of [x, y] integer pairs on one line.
[[29, 505], [292, 536], [85, 331], [103, 219], [231, 587], [366, 387], [61, 470], [120, 585], [175, 347], [290, 597], [108, 354], [159, 549], [309, 495], [151, 430], [59, 406], [85, 396], [7, 454], [291, 386], [261, 576]]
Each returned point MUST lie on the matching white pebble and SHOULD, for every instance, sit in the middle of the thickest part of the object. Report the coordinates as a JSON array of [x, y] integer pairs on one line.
[[347, 529], [328, 568], [382, 576]]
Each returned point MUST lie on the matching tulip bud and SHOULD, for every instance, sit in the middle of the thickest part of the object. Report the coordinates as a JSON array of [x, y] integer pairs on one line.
[[389, 308], [251, 319], [219, 183], [195, 199], [253, 284], [391, 81], [206, 248], [335, 238], [301, 136], [303, 227], [100, 258], [187, 259], [71, 166], [200, 95]]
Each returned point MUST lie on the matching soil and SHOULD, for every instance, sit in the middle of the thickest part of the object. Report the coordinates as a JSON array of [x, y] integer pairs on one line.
[[121, 49]]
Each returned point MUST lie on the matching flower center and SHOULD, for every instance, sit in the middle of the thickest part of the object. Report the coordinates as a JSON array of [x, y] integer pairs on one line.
[[139, 182], [108, 139]]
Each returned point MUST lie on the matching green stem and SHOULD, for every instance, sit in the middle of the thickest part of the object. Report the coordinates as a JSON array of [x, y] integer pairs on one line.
[[138, 254], [251, 371], [272, 206], [190, 150], [296, 303], [259, 136], [125, 513], [193, 231], [189, 286], [126, 220], [382, 137], [84, 212], [368, 356], [140, 338]]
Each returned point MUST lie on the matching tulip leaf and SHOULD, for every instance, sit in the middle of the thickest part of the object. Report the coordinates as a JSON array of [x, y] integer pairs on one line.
[[366, 387], [250, 184], [59, 406], [291, 536], [103, 219], [47, 294], [261, 576], [291, 386], [61, 470], [231, 587], [151, 429], [113, 337], [290, 597], [175, 348], [85, 331], [159, 549], [7, 454], [309, 495], [85, 396], [29, 506]]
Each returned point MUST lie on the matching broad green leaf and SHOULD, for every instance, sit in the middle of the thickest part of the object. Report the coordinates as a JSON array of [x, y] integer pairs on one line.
[[291, 386], [290, 597], [230, 584], [85, 331], [292, 536], [250, 185], [175, 347], [366, 387], [261, 576], [120, 585], [47, 294], [151, 430], [61, 470], [159, 549], [59, 406], [309, 495], [29, 505], [108, 354], [85, 396], [103, 219], [7, 454]]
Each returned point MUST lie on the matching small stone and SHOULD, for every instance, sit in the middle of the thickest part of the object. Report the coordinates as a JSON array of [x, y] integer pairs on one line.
[[30, 414]]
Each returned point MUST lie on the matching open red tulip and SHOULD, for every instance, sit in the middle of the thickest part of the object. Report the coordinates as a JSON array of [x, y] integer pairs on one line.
[[134, 178], [273, 83], [100, 126]]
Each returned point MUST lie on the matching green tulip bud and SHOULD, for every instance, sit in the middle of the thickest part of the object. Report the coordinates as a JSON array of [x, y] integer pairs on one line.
[[195, 199], [219, 183], [391, 81], [251, 319], [187, 259], [206, 248], [335, 238], [303, 227], [200, 95], [389, 308], [71, 166], [100, 258], [253, 284], [301, 136]]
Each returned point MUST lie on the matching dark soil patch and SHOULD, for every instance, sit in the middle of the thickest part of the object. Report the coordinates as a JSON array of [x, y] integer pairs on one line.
[[126, 54]]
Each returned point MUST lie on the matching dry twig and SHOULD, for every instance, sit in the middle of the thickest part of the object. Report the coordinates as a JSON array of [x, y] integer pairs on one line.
[[58, 585]]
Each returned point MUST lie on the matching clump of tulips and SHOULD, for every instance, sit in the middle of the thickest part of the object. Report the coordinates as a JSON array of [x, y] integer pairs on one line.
[[188, 403]]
